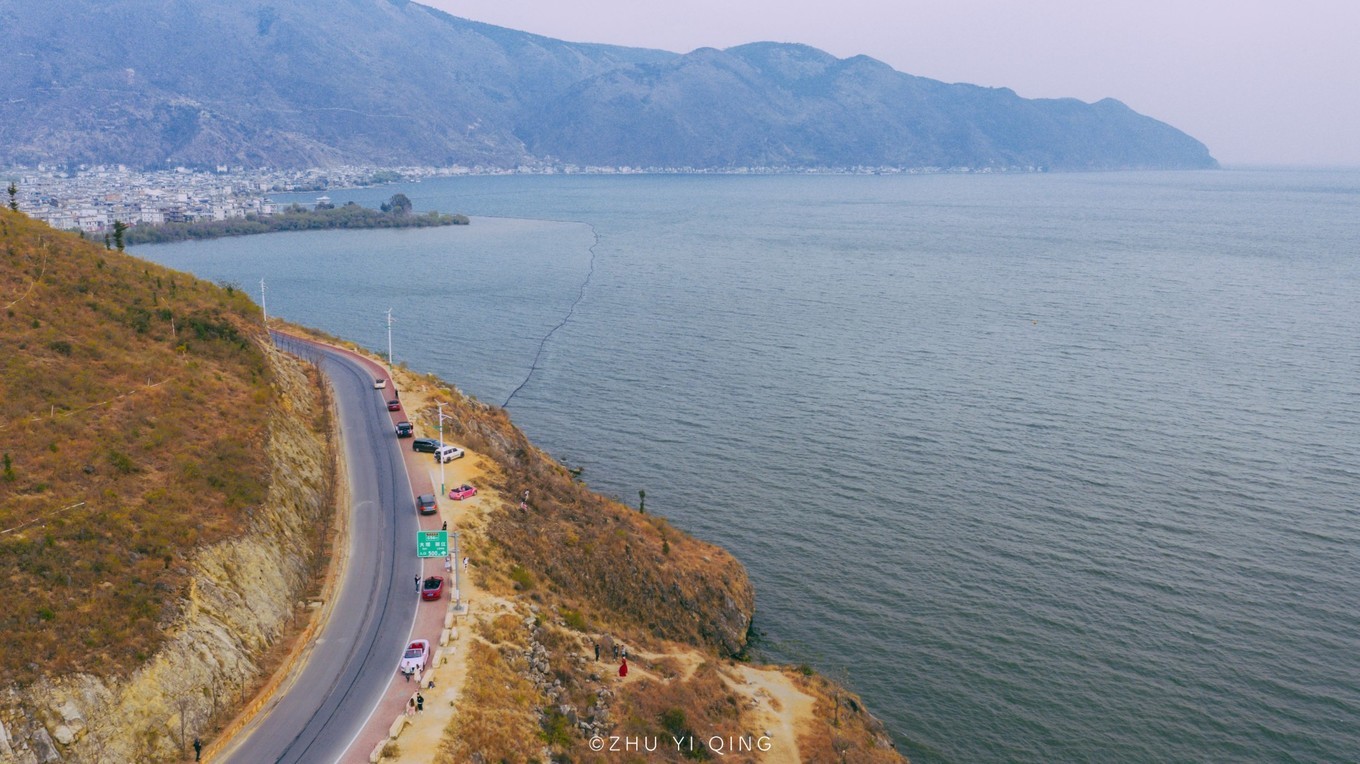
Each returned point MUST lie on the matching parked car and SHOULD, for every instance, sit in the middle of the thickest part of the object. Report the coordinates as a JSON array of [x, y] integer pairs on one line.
[[379, 384], [445, 454], [433, 588], [425, 445], [425, 504], [394, 405], [413, 660], [461, 492], [405, 430]]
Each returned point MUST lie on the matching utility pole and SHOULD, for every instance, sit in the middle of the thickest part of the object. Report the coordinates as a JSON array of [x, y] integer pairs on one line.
[[264, 309], [389, 342], [440, 409], [457, 584]]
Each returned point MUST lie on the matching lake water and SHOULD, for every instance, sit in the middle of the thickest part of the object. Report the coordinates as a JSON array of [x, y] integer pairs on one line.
[[1046, 467]]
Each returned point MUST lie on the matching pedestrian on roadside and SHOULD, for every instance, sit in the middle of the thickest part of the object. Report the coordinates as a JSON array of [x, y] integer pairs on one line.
[[420, 703], [448, 562], [407, 673], [446, 526], [597, 652], [464, 563], [198, 749], [417, 584], [411, 706]]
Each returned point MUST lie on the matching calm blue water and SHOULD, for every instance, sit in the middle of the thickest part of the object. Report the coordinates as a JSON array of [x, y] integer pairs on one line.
[[1048, 468]]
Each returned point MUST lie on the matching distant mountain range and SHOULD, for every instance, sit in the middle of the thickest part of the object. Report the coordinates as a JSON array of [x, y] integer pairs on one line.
[[287, 83]]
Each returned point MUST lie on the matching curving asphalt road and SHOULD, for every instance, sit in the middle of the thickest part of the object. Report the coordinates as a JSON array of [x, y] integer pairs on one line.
[[318, 715]]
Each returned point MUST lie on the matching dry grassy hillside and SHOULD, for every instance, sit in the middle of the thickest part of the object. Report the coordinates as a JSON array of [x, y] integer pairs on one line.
[[133, 405]]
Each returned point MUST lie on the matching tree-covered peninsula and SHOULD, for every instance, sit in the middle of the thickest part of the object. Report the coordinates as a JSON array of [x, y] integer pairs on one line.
[[395, 213]]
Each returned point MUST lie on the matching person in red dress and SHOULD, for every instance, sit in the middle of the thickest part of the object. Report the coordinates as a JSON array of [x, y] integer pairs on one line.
[[623, 668]]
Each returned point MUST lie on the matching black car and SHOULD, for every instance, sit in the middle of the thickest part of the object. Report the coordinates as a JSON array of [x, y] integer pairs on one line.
[[428, 445], [405, 430], [425, 504]]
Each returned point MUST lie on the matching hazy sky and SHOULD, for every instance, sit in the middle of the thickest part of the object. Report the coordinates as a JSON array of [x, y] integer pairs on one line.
[[1260, 82]]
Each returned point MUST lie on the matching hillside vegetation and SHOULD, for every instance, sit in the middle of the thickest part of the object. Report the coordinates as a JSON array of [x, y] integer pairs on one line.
[[133, 412]]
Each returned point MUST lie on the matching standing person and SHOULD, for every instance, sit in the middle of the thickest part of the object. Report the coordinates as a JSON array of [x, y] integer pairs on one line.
[[526, 495], [448, 562], [616, 652], [623, 652], [597, 652], [198, 749], [464, 563], [623, 668], [420, 703], [410, 706], [417, 584]]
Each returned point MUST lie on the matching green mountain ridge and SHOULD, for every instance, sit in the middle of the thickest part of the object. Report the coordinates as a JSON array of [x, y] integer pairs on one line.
[[153, 83]]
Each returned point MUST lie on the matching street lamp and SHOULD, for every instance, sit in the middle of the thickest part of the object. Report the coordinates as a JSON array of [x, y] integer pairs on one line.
[[457, 585], [389, 342], [440, 409]]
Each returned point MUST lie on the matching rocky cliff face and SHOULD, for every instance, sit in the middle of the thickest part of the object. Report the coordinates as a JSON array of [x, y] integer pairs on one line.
[[242, 596]]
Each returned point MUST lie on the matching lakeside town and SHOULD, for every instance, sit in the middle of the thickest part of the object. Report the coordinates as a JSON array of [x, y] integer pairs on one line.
[[90, 198]]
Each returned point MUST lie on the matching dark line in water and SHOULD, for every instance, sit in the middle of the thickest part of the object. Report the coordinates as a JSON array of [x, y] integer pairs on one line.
[[580, 295]]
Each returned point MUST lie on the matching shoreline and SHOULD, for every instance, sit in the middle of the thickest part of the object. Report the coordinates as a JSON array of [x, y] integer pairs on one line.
[[797, 713]]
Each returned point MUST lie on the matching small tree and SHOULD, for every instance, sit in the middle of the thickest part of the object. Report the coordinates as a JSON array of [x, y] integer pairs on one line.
[[398, 205], [13, 196], [119, 228]]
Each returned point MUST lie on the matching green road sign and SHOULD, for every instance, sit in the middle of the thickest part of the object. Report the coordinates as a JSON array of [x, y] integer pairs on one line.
[[432, 543]]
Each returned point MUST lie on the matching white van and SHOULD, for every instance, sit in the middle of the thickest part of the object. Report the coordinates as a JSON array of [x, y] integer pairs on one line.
[[447, 454]]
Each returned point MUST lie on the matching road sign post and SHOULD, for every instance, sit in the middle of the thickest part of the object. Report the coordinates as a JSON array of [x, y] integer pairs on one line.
[[432, 543]]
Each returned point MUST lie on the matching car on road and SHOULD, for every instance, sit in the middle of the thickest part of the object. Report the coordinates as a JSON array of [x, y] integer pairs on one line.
[[433, 588], [425, 445], [461, 492], [413, 660], [425, 504], [394, 405], [405, 430], [445, 454], [379, 383]]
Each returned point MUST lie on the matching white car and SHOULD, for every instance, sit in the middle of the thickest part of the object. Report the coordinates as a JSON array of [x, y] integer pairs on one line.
[[447, 454], [413, 661], [379, 384]]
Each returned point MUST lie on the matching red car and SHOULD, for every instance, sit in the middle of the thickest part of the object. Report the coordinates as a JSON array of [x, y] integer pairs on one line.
[[433, 588], [463, 491], [394, 405]]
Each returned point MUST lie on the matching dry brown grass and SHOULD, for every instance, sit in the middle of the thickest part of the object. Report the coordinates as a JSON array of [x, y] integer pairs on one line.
[[604, 561], [843, 730], [496, 713], [133, 412]]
